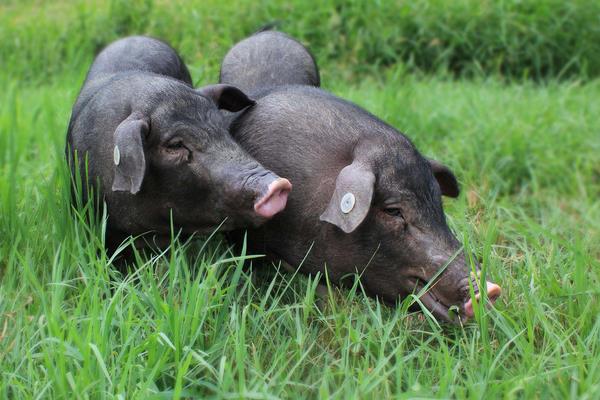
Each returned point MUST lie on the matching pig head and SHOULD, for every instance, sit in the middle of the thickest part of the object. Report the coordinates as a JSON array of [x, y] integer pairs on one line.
[[159, 152], [365, 200]]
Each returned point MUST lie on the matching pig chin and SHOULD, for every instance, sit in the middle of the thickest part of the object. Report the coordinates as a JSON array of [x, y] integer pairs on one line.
[[430, 299], [433, 302]]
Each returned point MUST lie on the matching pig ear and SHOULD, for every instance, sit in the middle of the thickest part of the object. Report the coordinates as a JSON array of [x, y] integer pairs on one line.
[[445, 179], [227, 97], [128, 154], [351, 198]]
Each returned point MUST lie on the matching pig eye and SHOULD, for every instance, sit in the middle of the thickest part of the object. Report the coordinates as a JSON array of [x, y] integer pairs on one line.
[[396, 217], [394, 212], [175, 145], [177, 151]]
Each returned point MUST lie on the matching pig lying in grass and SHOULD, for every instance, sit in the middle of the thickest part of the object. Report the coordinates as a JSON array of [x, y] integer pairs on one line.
[[365, 200]]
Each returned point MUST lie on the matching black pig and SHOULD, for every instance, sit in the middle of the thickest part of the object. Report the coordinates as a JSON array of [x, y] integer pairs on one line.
[[365, 200], [157, 150]]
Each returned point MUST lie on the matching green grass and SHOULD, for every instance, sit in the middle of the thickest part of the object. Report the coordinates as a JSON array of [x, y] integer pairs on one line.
[[541, 39], [195, 322]]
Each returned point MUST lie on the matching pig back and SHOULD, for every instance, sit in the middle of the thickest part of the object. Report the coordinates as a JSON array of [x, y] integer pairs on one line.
[[268, 59], [139, 54]]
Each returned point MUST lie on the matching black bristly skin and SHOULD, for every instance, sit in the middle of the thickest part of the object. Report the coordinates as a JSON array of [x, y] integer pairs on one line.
[[269, 59]]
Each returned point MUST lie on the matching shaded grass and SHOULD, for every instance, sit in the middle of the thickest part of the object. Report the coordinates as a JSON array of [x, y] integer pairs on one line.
[[537, 39], [194, 323]]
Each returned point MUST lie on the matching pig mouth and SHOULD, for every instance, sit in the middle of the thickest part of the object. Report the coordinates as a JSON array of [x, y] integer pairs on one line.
[[432, 302], [441, 310]]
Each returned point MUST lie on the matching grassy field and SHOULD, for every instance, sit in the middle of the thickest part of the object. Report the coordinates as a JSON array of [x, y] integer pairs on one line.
[[538, 39], [195, 322]]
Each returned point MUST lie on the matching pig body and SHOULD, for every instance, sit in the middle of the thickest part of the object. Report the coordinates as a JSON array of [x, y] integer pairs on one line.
[[158, 151], [268, 59]]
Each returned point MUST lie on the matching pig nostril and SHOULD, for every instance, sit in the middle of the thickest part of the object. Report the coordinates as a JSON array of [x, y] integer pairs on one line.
[[493, 292]]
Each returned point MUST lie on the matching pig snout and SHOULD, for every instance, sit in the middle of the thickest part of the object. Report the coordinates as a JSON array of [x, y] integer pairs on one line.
[[252, 193], [275, 198], [453, 287], [493, 292]]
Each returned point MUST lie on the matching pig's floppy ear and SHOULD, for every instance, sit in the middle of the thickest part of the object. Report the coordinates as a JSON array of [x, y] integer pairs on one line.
[[226, 97], [128, 154], [351, 198], [445, 179]]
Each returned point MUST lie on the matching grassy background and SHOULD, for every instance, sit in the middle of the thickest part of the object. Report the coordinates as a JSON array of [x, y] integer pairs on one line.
[[539, 39], [193, 323]]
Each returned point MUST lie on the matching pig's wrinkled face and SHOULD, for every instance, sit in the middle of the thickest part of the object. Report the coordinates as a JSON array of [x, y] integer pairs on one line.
[[395, 213], [415, 241], [193, 171]]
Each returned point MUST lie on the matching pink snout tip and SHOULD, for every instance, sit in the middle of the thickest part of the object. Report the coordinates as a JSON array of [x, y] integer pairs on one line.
[[493, 292], [275, 199]]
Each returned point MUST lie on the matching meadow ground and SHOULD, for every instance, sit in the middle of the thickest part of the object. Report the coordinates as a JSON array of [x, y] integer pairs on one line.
[[193, 323]]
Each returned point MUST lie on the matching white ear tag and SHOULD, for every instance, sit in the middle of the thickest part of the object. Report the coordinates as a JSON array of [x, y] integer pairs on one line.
[[117, 155], [347, 203]]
